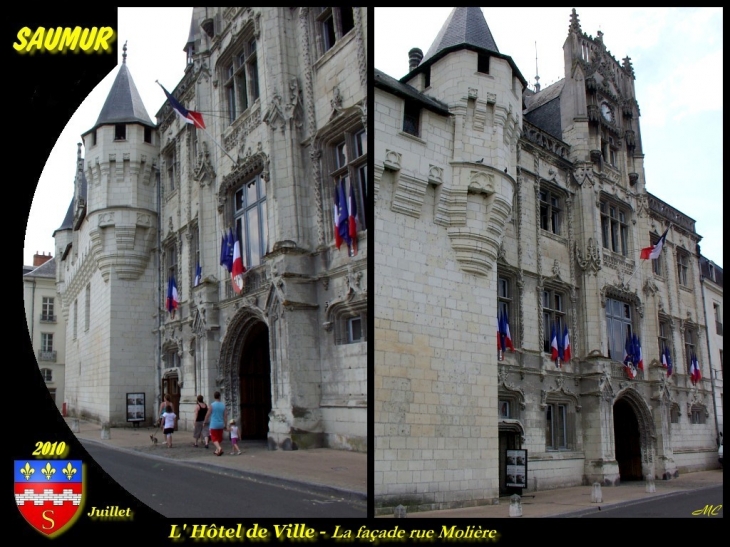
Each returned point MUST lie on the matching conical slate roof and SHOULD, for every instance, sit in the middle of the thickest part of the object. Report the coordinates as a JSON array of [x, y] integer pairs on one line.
[[463, 26], [123, 104]]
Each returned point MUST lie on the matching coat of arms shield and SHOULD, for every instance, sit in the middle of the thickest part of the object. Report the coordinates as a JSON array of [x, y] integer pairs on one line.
[[49, 493]]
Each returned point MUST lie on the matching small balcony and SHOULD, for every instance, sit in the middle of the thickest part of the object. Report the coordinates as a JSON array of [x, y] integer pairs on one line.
[[45, 318], [48, 356]]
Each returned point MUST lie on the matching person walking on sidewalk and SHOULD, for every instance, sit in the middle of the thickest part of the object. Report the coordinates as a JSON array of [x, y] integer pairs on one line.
[[168, 418], [233, 428], [201, 410], [216, 419], [166, 401]]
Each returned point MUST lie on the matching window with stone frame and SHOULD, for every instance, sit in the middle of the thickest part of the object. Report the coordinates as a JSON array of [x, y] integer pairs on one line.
[[551, 211], [559, 423], [120, 132], [609, 149], [47, 374], [506, 303], [656, 263], [172, 359], [615, 220], [346, 161], [47, 309], [483, 63], [508, 406], [620, 326], [718, 318], [682, 267], [170, 167], [697, 415], [241, 76], [411, 118], [251, 220], [171, 266], [690, 346], [350, 323], [674, 414], [664, 335], [553, 315], [331, 25]]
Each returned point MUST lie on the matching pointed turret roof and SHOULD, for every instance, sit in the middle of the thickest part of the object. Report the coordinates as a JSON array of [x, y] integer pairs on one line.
[[465, 26], [123, 104]]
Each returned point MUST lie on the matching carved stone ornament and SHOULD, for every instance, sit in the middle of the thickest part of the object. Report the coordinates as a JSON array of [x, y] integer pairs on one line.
[[592, 259], [509, 386], [392, 160]]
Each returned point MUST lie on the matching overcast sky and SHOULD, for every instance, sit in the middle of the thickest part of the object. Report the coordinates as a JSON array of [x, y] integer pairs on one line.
[[156, 38], [677, 58]]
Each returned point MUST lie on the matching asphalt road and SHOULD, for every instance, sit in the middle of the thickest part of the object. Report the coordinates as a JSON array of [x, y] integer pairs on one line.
[[697, 504], [178, 490]]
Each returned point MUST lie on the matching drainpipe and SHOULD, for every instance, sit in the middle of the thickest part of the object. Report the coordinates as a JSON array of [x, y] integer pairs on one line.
[[158, 359], [709, 356], [32, 315]]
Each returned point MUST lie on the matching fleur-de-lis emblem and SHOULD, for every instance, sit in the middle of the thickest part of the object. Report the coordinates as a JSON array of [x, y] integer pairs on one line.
[[48, 471], [27, 471], [69, 471]]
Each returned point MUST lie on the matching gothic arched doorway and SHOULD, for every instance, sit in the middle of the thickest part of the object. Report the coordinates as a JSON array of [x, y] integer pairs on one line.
[[627, 440], [254, 375]]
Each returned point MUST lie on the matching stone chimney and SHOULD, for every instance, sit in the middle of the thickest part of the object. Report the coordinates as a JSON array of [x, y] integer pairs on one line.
[[414, 58], [39, 259]]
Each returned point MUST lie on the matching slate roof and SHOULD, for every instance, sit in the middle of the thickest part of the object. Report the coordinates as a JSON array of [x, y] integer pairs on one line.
[[123, 104], [47, 269], [405, 91], [463, 26], [542, 109]]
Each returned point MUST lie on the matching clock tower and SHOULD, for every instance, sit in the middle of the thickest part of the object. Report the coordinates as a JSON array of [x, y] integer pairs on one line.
[[600, 115]]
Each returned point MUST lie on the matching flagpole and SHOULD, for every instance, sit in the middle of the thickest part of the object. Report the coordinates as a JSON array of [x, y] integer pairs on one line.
[[634, 273], [209, 135]]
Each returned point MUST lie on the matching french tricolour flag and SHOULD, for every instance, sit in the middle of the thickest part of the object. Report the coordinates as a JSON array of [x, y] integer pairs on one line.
[[188, 116], [238, 269], [172, 297], [554, 347], [653, 251], [566, 344], [352, 221]]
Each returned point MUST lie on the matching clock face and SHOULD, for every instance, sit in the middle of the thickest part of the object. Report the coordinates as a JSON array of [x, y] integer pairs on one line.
[[606, 111]]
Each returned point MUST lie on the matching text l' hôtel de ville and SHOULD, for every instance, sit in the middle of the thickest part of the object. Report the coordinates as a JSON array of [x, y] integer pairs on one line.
[[65, 39]]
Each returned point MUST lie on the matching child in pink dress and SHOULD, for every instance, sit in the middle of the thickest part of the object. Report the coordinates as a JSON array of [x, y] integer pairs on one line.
[[233, 428]]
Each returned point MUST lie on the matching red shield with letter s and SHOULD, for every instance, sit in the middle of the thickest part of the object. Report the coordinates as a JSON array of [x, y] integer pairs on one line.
[[49, 493]]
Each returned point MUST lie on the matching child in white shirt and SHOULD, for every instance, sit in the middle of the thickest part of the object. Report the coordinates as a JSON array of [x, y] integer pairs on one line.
[[168, 420], [233, 428]]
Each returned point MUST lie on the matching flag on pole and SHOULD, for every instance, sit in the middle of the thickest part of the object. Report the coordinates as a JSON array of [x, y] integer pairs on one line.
[[188, 116], [172, 297], [669, 361], [507, 335], [198, 275], [653, 251], [629, 358], [566, 344], [343, 224], [638, 359], [353, 221], [338, 237], [237, 267], [554, 347], [694, 370]]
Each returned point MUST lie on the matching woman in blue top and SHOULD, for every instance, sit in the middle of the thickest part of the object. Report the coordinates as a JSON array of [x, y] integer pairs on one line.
[[216, 418]]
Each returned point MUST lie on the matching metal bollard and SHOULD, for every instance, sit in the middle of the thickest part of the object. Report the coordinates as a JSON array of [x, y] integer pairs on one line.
[[596, 495], [650, 486], [515, 506], [400, 512], [106, 432]]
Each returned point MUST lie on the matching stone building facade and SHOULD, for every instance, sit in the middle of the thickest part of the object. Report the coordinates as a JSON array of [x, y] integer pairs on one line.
[[283, 95], [489, 198], [46, 326]]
